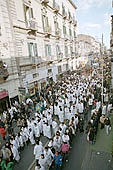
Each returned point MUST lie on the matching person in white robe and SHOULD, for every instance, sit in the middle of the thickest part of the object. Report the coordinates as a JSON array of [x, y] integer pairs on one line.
[[36, 131], [61, 115], [49, 118], [38, 167], [48, 155], [15, 153], [38, 150], [63, 127], [80, 107], [31, 137], [47, 130], [40, 125], [54, 126], [43, 162], [65, 138], [57, 141], [21, 142]]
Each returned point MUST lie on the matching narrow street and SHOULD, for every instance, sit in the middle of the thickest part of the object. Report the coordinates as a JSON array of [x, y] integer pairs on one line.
[[77, 153]]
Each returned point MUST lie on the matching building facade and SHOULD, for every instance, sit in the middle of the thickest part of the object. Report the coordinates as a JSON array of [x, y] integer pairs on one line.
[[37, 42], [87, 44], [111, 49]]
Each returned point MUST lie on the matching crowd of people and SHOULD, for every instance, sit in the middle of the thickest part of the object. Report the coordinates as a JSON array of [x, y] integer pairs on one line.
[[58, 113]]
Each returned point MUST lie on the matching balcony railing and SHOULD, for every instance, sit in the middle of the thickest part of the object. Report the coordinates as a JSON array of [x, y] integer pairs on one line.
[[24, 61], [3, 70], [32, 24], [56, 7]]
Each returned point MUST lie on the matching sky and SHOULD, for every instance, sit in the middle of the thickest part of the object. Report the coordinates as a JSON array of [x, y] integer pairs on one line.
[[94, 18]]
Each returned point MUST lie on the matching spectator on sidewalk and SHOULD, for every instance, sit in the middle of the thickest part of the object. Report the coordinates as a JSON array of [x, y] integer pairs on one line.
[[2, 132], [102, 119], [58, 161], [107, 125], [65, 150]]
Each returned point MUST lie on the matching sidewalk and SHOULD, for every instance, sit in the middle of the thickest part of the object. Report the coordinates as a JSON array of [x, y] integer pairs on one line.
[[98, 156]]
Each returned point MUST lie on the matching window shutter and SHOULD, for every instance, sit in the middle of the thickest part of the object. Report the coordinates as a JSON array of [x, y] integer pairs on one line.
[[49, 50], [30, 49], [43, 22], [31, 13], [47, 22], [53, 3], [46, 50], [35, 49]]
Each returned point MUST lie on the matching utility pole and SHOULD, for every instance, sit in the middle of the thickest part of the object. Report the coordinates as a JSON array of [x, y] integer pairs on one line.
[[102, 53]]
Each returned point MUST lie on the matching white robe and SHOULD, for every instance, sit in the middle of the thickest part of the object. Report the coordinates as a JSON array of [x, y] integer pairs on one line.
[[15, 153], [48, 155], [54, 126], [61, 116], [47, 131], [31, 138], [43, 163], [37, 131], [38, 150]]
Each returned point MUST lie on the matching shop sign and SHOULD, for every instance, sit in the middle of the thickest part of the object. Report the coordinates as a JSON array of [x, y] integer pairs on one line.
[[3, 94]]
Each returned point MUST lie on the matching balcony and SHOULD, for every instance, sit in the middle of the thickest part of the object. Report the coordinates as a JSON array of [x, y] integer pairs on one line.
[[56, 7], [45, 2], [32, 24], [3, 70], [47, 31], [26, 61]]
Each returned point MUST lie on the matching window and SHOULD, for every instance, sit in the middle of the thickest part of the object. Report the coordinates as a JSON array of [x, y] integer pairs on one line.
[[66, 51], [47, 50], [58, 51], [35, 75], [74, 34], [32, 49], [71, 50], [59, 69], [45, 22], [49, 70], [70, 32], [56, 28], [64, 30], [28, 13]]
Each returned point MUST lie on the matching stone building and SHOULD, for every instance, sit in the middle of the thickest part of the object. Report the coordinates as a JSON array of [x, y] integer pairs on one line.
[[37, 42]]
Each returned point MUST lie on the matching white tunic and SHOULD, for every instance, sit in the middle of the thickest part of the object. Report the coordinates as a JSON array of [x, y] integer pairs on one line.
[[43, 163], [47, 131], [15, 153], [54, 126], [48, 155], [31, 138], [38, 150]]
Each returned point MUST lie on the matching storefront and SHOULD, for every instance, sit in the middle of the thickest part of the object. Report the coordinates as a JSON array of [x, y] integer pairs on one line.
[[4, 101]]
